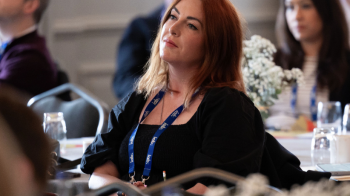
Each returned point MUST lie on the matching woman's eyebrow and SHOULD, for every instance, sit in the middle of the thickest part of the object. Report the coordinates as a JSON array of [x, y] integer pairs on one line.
[[189, 17], [193, 18], [176, 10]]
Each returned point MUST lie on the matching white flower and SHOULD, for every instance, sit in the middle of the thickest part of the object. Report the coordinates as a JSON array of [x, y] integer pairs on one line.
[[257, 184], [288, 74], [254, 185], [263, 78], [220, 190]]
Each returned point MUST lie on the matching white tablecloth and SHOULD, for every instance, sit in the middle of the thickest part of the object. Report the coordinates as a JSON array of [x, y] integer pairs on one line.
[[300, 147], [73, 148]]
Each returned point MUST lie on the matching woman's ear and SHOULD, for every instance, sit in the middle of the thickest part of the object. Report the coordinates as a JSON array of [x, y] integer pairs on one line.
[[30, 6]]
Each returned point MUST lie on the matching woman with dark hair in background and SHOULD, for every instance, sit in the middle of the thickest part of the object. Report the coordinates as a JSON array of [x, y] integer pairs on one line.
[[195, 64], [313, 36]]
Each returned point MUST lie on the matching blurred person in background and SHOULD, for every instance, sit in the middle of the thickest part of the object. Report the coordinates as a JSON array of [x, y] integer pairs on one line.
[[135, 49], [25, 62], [29, 167], [13, 165], [346, 8], [313, 36]]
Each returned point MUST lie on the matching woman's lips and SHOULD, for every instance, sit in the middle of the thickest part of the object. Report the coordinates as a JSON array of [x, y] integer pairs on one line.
[[300, 27], [170, 43]]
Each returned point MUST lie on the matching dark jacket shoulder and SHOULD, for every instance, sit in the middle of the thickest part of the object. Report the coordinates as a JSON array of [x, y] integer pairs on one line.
[[225, 95], [27, 65]]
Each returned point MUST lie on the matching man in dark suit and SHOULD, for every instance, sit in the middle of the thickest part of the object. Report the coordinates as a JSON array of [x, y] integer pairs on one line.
[[25, 62], [135, 49]]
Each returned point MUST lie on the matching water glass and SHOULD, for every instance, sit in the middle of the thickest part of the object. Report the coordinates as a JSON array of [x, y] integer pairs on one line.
[[346, 118], [55, 127], [321, 145], [329, 115]]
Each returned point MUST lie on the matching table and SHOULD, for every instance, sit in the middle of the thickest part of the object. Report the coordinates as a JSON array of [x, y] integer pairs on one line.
[[73, 150], [300, 146]]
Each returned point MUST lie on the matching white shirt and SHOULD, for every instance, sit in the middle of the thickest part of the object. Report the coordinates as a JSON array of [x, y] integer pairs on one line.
[[21, 34], [283, 104]]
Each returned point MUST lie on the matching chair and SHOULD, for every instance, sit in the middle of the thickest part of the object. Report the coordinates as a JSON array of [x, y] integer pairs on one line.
[[86, 116], [62, 78]]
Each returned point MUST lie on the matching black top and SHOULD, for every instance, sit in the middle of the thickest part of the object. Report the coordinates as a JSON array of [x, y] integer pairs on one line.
[[226, 132]]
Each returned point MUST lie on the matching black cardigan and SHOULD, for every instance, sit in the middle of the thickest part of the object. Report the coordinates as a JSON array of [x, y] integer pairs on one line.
[[231, 137], [282, 168], [226, 132]]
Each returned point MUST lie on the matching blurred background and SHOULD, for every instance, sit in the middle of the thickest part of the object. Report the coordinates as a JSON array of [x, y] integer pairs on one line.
[[83, 35]]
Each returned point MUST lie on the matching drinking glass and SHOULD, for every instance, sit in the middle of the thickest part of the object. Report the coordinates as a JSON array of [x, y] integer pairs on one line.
[[55, 127], [320, 145], [329, 115], [346, 118]]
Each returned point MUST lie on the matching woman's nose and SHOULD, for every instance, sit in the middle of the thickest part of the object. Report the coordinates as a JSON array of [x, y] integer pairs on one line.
[[174, 29], [298, 13]]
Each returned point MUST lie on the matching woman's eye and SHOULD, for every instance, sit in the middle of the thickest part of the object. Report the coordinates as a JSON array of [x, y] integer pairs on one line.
[[172, 17], [192, 26], [306, 6], [289, 7]]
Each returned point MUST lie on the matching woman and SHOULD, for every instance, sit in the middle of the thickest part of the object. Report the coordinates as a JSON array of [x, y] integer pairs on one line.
[[195, 62], [313, 36]]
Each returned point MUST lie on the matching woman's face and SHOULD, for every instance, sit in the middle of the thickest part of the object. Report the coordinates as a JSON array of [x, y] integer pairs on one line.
[[181, 40], [303, 20]]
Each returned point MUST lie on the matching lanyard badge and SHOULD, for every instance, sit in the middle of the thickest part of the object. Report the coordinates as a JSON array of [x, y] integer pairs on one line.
[[161, 129], [313, 107], [148, 163]]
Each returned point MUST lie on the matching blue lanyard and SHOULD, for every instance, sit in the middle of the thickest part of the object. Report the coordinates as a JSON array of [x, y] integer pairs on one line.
[[313, 107], [161, 129]]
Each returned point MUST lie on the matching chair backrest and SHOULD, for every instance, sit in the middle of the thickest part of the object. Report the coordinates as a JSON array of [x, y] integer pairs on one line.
[[86, 116], [62, 78]]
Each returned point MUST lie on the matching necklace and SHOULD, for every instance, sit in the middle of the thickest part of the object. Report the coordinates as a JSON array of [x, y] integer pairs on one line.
[[161, 113]]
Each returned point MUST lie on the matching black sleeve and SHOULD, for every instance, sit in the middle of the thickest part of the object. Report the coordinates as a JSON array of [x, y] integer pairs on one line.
[[282, 168], [133, 54], [232, 133], [106, 146]]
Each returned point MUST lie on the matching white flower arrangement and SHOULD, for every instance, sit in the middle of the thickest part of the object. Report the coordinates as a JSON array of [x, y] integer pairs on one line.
[[265, 80], [257, 185]]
